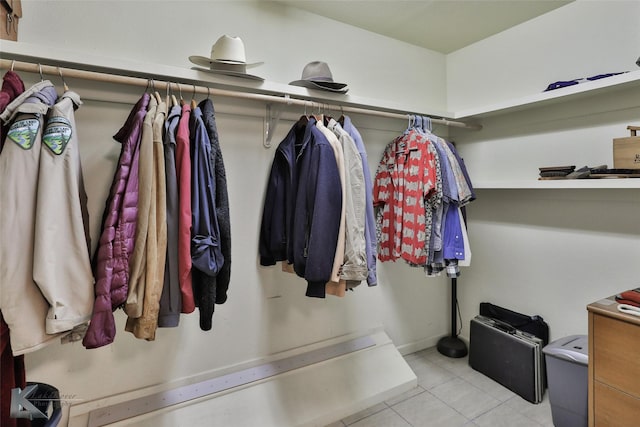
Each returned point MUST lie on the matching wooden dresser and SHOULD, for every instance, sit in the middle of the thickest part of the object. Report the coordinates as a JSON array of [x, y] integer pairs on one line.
[[614, 366]]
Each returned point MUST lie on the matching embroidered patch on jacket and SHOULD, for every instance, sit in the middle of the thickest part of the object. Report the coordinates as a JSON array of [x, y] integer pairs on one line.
[[23, 132], [57, 134]]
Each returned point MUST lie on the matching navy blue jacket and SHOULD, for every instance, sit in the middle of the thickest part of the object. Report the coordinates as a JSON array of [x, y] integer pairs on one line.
[[317, 211], [277, 215]]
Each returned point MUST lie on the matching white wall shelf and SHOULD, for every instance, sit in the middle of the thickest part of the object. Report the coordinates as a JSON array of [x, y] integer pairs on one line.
[[627, 80], [596, 98]]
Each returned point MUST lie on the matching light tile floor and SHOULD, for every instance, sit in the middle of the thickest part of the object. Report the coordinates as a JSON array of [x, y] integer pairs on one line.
[[451, 394]]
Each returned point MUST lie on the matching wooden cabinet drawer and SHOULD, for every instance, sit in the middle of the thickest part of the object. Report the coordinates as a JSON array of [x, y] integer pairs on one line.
[[615, 408], [616, 355]]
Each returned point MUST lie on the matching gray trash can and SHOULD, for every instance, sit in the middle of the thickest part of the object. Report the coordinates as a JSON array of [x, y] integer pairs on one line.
[[567, 361]]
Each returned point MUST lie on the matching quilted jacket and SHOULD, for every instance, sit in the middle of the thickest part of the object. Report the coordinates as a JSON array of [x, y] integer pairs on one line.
[[111, 259]]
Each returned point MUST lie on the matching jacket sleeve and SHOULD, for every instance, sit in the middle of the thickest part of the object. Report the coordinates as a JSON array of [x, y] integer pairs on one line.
[[271, 216]]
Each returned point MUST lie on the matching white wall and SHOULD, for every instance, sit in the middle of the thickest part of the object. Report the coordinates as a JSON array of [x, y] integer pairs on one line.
[[581, 39], [267, 311], [285, 39], [549, 252]]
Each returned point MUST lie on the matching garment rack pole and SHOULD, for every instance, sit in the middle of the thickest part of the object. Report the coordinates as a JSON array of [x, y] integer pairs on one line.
[[189, 88], [452, 346]]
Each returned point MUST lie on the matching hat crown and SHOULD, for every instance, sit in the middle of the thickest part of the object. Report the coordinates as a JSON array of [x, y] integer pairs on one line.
[[317, 71], [230, 49]]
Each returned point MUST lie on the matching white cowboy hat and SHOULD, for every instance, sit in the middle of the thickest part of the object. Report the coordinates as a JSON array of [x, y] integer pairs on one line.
[[317, 75], [227, 57]]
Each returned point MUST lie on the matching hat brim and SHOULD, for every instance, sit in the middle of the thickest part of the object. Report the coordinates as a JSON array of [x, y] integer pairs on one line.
[[330, 86], [228, 73], [207, 62]]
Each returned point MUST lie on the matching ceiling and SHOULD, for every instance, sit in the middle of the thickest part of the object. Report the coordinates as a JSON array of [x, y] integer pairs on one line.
[[440, 25]]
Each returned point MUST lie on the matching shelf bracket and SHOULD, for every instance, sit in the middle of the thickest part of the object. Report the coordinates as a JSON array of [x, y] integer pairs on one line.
[[271, 119]]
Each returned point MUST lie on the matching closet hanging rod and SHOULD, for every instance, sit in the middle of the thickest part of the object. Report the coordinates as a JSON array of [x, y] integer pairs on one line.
[[36, 68]]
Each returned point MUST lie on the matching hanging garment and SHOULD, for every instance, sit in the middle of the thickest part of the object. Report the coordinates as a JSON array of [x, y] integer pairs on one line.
[[62, 267], [337, 286], [171, 298], [223, 277], [370, 223], [146, 193], [111, 258], [449, 196], [465, 173], [276, 229], [12, 86], [183, 170], [464, 192], [317, 211], [354, 269], [145, 326], [12, 370], [206, 253], [405, 179], [19, 165]]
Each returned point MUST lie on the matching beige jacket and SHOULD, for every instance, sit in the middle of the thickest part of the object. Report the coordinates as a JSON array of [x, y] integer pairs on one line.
[[145, 326], [62, 267], [23, 305], [138, 260], [46, 283], [354, 269]]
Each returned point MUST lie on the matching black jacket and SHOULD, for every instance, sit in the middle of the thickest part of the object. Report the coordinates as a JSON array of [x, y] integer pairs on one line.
[[210, 290]]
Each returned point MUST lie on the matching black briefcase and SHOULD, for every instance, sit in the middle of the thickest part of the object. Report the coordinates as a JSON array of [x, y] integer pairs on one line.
[[509, 356], [534, 325]]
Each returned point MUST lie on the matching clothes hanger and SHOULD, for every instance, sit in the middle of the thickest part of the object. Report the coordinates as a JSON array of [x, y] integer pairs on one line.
[[156, 95], [64, 84], [40, 71], [327, 116], [174, 101], [412, 119], [319, 117], [180, 91], [193, 99], [427, 125], [13, 63]]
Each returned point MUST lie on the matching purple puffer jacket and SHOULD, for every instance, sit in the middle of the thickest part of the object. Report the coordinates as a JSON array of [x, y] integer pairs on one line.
[[111, 259]]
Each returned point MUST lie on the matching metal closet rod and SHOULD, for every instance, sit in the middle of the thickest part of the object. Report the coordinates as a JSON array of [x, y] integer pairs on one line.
[[63, 72]]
